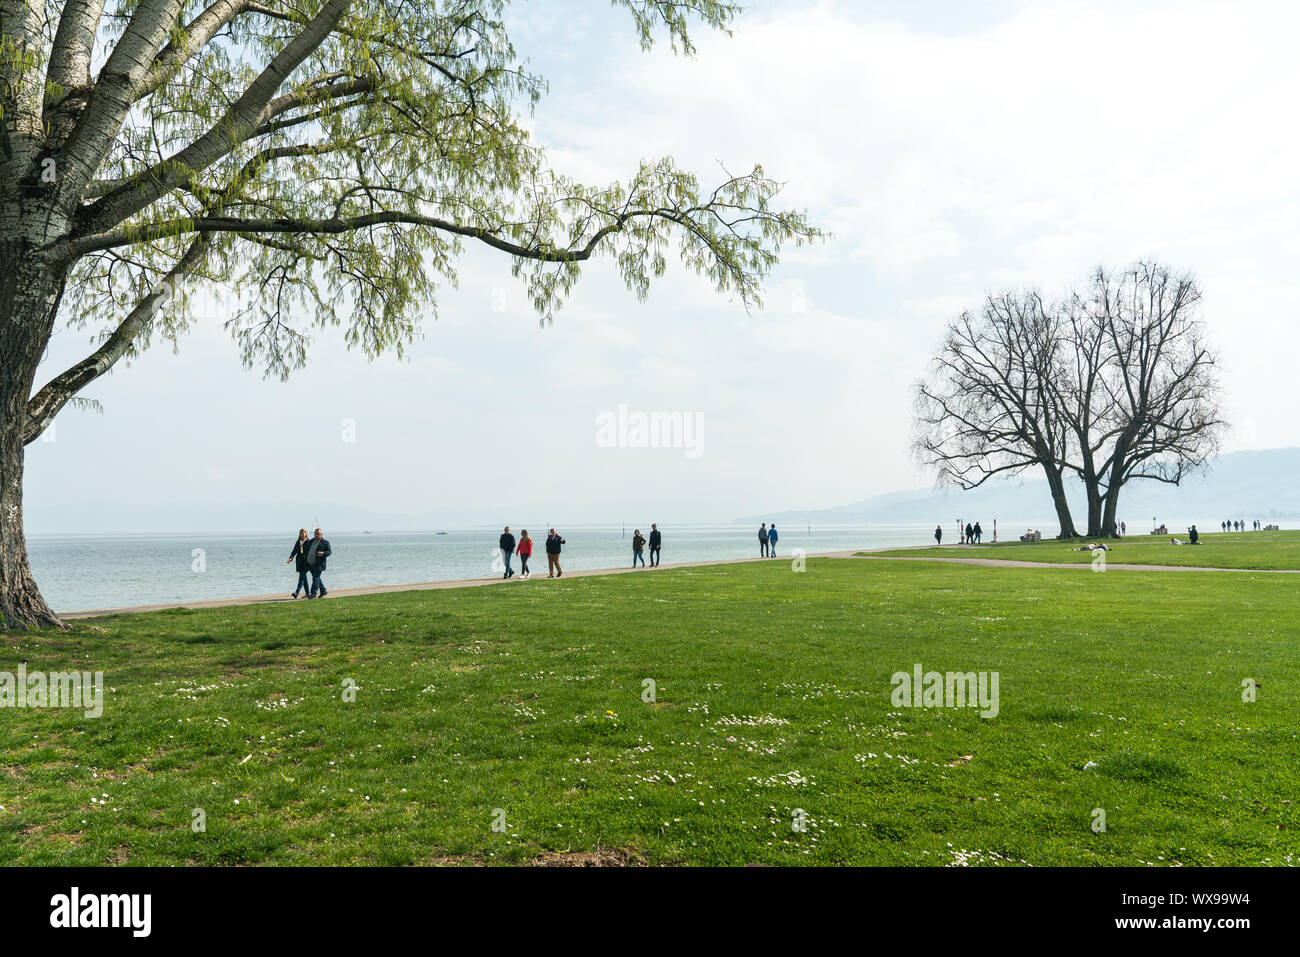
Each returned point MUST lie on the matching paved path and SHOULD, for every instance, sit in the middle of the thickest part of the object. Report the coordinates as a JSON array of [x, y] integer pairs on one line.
[[283, 598], [1010, 563]]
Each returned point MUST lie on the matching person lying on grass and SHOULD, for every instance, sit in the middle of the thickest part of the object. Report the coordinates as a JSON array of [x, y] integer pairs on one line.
[[1090, 547]]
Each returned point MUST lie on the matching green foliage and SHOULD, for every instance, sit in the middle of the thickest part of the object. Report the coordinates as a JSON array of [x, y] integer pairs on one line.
[[347, 200]]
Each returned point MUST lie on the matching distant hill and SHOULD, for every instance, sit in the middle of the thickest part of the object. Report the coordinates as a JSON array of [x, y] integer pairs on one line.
[[1246, 485]]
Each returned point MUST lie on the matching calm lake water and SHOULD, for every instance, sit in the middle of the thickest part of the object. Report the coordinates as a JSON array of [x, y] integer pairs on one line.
[[102, 571]]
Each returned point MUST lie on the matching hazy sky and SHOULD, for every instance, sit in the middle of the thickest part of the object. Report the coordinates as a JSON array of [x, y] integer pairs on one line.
[[951, 151]]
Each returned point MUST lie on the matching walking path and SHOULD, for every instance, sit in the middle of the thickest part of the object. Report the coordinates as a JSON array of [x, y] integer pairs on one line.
[[588, 572], [283, 598], [1011, 563]]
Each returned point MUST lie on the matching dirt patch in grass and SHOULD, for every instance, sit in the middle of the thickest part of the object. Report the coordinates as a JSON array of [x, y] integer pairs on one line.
[[600, 857]]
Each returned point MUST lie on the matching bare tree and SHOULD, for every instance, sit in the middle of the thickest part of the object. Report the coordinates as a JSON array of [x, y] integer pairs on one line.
[[987, 407], [1113, 383]]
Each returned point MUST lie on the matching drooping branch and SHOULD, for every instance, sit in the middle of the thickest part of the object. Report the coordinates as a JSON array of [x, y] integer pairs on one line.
[[55, 394]]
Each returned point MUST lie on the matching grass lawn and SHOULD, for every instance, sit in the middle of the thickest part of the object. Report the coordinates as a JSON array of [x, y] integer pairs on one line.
[[773, 694], [1260, 550]]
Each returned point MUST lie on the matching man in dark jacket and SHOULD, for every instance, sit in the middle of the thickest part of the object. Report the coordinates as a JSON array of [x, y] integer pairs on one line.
[[656, 542], [553, 543], [318, 550], [507, 544]]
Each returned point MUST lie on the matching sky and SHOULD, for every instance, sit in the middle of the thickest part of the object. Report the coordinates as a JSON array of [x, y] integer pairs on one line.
[[952, 149]]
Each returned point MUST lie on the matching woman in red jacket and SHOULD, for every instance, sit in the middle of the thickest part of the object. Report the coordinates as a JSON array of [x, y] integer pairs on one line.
[[524, 551]]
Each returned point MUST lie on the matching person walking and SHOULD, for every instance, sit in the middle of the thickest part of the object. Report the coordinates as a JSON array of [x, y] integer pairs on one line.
[[762, 540], [507, 543], [979, 533], [771, 540], [525, 551], [938, 534], [318, 550], [656, 542], [638, 543], [970, 534], [299, 554], [553, 543]]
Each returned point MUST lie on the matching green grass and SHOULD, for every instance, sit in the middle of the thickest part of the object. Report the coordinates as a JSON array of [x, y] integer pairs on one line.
[[1117, 691], [1246, 550]]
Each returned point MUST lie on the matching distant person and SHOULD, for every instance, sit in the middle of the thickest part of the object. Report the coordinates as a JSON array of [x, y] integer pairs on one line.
[[318, 550], [507, 543], [970, 534], [1193, 535], [656, 542], [638, 544], [299, 554], [938, 535], [525, 551], [1223, 526], [771, 540], [979, 533], [1123, 529], [762, 540], [553, 543]]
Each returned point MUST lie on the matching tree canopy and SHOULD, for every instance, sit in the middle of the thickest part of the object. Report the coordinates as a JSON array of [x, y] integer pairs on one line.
[[325, 162]]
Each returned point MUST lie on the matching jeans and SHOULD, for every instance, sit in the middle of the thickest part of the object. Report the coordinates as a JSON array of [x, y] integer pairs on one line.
[[506, 553], [654, 557], [316, 583], [771, 547], [637, 556], [523, 564], [762, 548], [302, 585]]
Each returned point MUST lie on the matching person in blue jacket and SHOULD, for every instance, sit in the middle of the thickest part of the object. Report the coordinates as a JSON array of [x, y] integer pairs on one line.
[[771, 540]]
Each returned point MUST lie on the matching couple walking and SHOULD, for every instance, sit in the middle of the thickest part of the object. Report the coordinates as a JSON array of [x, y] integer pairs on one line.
[[767, 538], [524, 549], [639, 543], [311, 555]]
